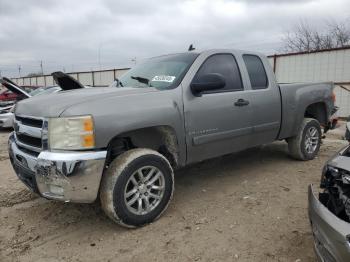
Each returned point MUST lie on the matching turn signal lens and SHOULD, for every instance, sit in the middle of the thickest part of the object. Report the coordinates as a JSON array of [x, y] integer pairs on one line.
[[88, 125], [89, 141]]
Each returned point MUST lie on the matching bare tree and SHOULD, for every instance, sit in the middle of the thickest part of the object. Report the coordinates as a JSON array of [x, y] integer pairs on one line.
[[340, 33], [305, 38]]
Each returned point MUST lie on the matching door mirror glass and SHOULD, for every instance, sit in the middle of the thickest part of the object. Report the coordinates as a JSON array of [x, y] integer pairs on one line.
[[207, 82]]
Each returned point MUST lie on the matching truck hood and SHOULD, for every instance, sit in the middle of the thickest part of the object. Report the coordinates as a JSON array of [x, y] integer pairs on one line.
[[54, 105], [65, 81], [13, 87]]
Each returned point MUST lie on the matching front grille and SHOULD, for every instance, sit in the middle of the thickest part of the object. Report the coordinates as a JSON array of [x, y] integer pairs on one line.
[[28, 134], [30, 121], [29, 152], [29, 140]]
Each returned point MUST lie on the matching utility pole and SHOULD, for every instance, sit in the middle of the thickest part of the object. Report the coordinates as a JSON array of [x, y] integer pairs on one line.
[[41, 66], [99, 60], [0, 74], [19, 70], [99, 55]]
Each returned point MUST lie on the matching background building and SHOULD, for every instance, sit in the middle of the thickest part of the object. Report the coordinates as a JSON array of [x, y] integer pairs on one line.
[[318, 66]]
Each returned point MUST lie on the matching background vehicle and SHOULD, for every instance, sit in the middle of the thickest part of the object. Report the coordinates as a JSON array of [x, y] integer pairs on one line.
[[6, 116], [168, 112], [330, 212], [6, 113], [7, 97], [45, 90]]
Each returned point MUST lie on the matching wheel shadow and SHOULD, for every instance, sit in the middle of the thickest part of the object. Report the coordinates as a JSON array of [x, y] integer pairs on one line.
[[228, 165], [4, 130]]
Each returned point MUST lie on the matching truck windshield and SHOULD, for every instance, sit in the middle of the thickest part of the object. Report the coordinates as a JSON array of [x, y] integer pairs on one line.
[[164, 72]]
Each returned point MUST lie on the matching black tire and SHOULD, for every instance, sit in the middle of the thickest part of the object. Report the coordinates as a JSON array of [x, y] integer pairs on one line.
[[298, 145], [116, 181]]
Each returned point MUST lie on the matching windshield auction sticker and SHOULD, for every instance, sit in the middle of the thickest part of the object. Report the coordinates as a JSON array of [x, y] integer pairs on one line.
[[168, 79]]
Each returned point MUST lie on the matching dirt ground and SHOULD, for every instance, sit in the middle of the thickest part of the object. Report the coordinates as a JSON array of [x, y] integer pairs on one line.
[[250, 206]]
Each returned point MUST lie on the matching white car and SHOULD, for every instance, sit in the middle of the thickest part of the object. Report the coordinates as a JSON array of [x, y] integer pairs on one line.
[[6, 116], [64, 81]]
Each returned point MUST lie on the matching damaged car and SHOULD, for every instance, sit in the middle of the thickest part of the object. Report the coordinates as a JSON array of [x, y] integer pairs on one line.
[[329, 213], [6, 112], [121, 144], [63, 81]]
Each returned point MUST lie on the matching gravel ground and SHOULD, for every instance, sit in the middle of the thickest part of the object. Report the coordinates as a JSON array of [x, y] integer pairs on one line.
[[250, 206]]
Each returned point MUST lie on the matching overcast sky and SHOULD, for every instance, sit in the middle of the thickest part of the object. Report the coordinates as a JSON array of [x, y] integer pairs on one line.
[[69, 35]]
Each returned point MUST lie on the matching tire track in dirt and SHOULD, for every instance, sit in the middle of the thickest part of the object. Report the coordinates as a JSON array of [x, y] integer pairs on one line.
[[10, 199]]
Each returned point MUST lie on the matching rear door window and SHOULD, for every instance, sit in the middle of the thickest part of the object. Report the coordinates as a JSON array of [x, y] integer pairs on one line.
[[256, 71]]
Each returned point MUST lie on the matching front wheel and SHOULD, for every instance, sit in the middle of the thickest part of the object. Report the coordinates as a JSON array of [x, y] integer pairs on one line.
[[306, 144], [137, 187]]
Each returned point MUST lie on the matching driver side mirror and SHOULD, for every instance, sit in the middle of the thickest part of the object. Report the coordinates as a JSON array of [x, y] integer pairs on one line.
[[207, 82]]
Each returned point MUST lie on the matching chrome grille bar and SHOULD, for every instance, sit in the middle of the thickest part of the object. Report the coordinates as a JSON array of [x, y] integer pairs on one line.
[[28, 132], [32, 148]]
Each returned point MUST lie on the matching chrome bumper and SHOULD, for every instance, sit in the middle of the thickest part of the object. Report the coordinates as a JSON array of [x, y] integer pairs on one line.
[[330, 233], [65, 176]]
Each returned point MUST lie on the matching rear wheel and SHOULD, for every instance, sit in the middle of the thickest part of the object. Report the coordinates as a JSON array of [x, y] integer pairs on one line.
[[306, 144], [137, 187]]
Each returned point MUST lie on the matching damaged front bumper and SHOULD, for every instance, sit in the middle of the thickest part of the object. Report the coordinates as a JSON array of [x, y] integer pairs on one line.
[[331, 234], [64, 176]]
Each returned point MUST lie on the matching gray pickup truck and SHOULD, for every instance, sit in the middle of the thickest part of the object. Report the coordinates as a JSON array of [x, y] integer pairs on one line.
[[123, 142]]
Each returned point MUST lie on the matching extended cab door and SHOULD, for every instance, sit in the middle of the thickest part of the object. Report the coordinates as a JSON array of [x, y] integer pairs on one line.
[[219, 121], [266, 99]]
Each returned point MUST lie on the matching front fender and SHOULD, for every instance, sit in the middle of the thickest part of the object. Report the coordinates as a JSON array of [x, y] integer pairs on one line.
[[117, 115]]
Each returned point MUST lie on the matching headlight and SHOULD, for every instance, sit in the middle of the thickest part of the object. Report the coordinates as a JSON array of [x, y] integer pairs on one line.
[[71, 133]]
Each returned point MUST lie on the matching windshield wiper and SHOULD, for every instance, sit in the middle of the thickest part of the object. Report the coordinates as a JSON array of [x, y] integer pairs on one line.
[[142, 80]]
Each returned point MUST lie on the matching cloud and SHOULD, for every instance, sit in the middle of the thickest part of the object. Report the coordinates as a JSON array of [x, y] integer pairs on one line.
[[73, 35]]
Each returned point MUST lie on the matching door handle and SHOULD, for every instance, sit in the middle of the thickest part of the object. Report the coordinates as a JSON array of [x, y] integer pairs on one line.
[[241, 102]]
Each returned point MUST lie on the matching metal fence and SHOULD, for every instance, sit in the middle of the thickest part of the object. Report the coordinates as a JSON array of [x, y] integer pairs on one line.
[[327, 65], [91, 78]]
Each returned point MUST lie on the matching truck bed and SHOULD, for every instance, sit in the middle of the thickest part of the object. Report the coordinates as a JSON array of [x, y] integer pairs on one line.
[[296, 98]]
